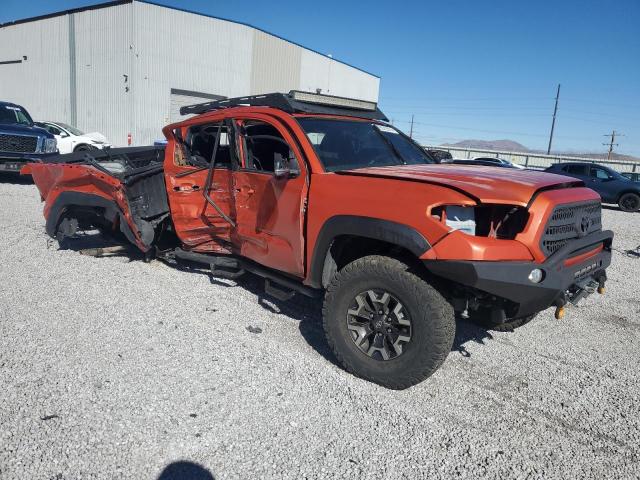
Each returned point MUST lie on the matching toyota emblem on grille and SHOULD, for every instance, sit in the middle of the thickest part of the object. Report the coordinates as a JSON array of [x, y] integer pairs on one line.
[[585, 223]]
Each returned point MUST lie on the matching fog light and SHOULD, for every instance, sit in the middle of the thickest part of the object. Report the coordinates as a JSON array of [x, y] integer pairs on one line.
[[535, 276]]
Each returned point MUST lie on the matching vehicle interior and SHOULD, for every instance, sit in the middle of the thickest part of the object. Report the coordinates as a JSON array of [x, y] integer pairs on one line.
[[266, 148]]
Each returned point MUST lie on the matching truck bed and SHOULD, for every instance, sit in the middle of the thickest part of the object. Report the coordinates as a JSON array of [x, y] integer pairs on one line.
[[117, 162], [122, 187]]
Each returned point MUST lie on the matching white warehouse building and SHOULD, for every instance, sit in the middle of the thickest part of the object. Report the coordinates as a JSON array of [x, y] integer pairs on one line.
[[125, 67]]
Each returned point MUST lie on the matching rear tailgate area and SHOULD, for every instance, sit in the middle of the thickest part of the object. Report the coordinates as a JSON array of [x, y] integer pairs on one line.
[[122, 186]]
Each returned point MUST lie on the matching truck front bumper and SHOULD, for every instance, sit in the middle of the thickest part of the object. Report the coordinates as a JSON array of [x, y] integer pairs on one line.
[[13, 162], [563, 278]]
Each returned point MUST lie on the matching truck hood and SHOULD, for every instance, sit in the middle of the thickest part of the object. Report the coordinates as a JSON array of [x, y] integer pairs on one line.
[[483, 184], [16, 129]]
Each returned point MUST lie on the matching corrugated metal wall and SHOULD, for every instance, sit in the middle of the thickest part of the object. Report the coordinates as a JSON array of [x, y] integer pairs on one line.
[[275, 65], [128, 57], [41, 82], [104, 71]]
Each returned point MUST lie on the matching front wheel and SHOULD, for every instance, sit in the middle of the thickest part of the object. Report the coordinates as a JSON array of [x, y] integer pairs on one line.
[[629, 202], [83, 148], [386, 324]]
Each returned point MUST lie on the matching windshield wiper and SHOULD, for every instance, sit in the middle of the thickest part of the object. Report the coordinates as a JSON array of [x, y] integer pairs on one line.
[[392, 146]]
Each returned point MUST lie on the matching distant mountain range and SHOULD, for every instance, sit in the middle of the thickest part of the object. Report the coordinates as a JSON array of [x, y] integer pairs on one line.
[[511, 146]]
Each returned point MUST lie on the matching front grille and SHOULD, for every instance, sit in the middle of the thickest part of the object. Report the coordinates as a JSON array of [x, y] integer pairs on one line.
[[18, 143], [568, 222]]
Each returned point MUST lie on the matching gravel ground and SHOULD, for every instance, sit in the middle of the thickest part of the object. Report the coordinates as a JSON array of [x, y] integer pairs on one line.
[[114, 368]]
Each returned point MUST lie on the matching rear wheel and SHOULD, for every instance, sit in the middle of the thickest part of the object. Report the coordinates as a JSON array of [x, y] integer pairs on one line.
[[629, 202], [386, 324]]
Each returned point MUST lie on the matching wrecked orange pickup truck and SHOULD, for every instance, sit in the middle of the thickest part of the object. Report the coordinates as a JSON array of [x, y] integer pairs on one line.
[[320, 196]]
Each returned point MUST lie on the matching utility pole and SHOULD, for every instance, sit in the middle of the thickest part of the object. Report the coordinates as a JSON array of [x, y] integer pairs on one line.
[[553, 122], [411, 131], [611, 144]]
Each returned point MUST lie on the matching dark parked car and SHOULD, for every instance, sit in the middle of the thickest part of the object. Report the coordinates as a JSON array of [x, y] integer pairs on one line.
[[635, 176], [612, 186], [440, 156], [484, 161], [20, 140]]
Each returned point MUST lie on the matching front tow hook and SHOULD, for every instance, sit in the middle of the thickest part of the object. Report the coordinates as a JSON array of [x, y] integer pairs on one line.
[[585, 288]]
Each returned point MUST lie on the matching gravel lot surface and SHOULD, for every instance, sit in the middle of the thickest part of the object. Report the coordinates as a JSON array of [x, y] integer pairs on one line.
[[114, 368]]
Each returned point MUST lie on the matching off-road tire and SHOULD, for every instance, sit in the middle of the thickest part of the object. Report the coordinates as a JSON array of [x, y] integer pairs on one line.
[[508, 326], [432, 322], [629, 202]]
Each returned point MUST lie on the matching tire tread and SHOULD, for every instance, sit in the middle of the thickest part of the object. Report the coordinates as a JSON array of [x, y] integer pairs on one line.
[[437, 308]]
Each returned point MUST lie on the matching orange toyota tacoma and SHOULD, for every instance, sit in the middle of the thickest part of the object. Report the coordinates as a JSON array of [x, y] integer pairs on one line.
[[320, 196]]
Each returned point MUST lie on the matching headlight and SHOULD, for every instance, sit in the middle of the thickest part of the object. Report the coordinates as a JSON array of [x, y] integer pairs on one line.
[[50, 145], [461, 218], [485, 220]]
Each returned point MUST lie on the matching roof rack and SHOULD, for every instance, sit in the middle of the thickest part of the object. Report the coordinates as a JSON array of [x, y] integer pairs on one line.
[[295, 102]]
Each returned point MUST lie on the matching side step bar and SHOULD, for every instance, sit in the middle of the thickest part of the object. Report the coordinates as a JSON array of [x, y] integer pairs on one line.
[[277, 284]]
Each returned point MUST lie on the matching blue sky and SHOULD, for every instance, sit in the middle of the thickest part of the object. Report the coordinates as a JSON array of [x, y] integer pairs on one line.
[[464, 68]]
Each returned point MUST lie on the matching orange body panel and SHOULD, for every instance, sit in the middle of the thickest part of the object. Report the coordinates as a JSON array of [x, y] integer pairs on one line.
[[458, 245], [54, 179], [585, 256], [541, 209], [395, 200], [268, 211], [503, 186]]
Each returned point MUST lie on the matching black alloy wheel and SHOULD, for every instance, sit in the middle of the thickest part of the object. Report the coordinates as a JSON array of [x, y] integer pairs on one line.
[[379, 324]]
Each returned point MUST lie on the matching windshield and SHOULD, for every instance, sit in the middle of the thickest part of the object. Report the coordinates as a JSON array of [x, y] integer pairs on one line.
[[349, 144], [14, 114], [70, 129]]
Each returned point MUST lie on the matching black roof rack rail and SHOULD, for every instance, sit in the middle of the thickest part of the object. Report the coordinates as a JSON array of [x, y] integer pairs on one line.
[[295, 102]]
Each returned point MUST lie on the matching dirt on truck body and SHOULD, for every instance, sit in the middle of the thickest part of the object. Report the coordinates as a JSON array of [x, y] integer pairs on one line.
[[320, 196]]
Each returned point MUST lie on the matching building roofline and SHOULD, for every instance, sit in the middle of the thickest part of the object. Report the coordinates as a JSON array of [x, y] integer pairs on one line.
[[115, 3], [97, 6]]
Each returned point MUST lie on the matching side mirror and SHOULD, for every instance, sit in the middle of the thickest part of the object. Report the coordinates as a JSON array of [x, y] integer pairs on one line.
[[281, 168], [63, 134]]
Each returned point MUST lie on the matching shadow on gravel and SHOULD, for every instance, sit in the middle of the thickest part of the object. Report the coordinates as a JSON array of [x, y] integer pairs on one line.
[[99, 245], [16, 178], [467, 331], [307, 311], [185, 470]]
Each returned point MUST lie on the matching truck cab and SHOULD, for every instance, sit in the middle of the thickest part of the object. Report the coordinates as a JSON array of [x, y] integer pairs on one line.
[[21, 141], [320, 196]]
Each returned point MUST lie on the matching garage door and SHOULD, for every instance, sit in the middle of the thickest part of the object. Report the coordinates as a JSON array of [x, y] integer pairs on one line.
[[181, 98]]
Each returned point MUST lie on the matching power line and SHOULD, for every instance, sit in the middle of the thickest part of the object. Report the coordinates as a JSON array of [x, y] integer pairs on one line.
[[502, 132], [553, 122], [611, 144]]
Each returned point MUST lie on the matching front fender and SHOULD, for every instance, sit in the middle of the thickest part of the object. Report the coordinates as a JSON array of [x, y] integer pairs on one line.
[[385, 230]]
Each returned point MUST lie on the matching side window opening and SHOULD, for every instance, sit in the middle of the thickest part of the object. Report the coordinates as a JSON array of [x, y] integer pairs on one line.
[[200, 142], [575, 169], [600, 174], [53, 130], [266, 148]]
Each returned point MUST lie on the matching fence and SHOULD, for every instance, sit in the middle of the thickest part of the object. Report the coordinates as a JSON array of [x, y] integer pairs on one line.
[[535, 160]]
